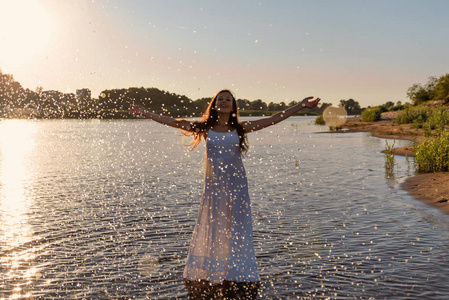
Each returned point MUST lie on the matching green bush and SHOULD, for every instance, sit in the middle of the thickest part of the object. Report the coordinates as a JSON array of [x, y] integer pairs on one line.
[[395, 108], [335, 127], [320, 120], [432, 155], [372, 114], [413, 115], [425, 117], [438, 119]]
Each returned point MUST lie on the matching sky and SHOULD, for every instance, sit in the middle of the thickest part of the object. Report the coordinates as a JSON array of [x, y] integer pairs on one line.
[[278, 50]]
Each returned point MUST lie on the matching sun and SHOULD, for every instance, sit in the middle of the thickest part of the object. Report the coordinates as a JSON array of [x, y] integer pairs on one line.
[[25, 30]]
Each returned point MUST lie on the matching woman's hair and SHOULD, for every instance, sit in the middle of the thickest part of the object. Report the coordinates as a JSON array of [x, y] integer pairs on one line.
[[199, 129]]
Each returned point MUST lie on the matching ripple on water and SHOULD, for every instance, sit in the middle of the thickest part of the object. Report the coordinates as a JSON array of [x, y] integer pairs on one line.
[[109, 213]]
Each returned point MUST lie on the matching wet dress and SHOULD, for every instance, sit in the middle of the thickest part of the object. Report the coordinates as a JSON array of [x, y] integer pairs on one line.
[[222, 241]]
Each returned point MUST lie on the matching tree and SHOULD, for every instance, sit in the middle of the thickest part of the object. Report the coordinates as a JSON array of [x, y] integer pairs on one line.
[[441, 88], [282, 105], [418, 93], [243, 104], [258, 105], [199, 106], [351, 106], [11, 92], [388, 104]]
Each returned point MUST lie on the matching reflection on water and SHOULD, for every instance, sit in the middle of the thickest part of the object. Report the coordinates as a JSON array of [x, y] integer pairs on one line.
[[199, 290], [16, 257], [105, 209]]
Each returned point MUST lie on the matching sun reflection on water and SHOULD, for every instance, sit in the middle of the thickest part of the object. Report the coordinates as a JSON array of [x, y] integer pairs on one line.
[[16, 259]]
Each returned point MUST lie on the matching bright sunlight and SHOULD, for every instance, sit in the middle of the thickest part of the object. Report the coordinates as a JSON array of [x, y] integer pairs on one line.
[[16, 144], [25, 30]]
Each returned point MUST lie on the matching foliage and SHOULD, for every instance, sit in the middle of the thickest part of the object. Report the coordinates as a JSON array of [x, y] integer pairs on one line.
[[114, 103], [418, 94], [389, 158], [157, 101], [425, 117], [351, 106], [432, 155], [441, 89], [388, 104], [320, 120], [15, 100], [277, 106], [335, 127], [398, 107], [437, 120], [372, 114], [10, 90], [434, 89], [258, 105], [245, 104], [413, 115]]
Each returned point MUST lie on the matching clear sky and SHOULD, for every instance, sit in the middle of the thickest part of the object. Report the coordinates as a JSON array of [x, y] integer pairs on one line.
[[277, 50]]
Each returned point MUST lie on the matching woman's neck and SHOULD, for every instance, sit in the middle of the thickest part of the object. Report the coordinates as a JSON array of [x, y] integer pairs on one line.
[[223, 120]]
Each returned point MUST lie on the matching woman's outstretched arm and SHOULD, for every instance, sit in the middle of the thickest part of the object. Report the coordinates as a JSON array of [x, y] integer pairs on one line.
[[255, 125], [169, 121]]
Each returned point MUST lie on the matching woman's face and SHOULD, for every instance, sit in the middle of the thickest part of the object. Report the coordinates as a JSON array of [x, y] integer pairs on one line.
[[224, 102]]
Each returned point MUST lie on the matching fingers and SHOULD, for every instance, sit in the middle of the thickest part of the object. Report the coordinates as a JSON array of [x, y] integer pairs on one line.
[[310, 104], [136, 109], [306, 100]]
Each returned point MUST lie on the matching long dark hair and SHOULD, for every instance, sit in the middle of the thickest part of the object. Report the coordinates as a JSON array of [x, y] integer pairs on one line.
[[199, 129]]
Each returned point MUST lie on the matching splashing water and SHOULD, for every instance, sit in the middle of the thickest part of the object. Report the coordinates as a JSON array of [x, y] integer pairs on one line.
[[109, 207]]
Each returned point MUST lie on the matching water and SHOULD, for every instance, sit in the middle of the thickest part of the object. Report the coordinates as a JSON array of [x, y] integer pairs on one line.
[[105, 209]]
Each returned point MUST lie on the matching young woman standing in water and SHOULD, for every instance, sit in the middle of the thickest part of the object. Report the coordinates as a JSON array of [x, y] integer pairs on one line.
[[221, 248]]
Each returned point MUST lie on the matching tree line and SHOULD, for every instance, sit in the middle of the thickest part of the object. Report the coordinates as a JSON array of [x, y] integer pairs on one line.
[[159, 101], [16, 101]]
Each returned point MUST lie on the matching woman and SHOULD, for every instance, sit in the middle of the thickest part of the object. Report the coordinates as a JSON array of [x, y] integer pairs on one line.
[[222, 249]]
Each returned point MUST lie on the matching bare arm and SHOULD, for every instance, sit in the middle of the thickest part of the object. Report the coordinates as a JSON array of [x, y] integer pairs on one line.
[[255, 125], [169, 121]]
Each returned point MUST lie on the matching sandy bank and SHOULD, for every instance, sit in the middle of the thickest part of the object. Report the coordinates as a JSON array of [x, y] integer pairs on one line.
[[431, 188]]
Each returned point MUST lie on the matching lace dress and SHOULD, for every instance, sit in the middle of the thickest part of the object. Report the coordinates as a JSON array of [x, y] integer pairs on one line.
[[222, 241]]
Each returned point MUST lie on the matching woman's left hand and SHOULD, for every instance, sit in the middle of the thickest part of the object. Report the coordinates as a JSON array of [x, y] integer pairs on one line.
[[137, 110], [310, 104]]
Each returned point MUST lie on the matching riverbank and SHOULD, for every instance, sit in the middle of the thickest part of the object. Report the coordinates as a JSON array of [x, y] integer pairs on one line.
[[430, 188]]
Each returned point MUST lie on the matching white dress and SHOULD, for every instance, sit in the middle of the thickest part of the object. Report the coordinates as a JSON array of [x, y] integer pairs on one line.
[[222, 241]]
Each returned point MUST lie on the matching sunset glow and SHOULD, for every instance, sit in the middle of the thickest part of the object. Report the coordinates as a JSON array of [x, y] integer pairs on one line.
[[26, 29], [370, 51]]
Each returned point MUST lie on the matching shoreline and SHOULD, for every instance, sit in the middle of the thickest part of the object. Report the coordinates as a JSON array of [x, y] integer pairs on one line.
[[430, 188]]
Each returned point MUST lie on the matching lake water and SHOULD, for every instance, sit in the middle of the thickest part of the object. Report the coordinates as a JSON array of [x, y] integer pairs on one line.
[[105, 209]]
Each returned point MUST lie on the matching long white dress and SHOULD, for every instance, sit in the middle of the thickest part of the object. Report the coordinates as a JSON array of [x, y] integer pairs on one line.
[[222, 241]]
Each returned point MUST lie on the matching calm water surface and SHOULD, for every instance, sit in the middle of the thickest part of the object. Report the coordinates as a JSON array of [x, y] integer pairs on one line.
[[105, 209]]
